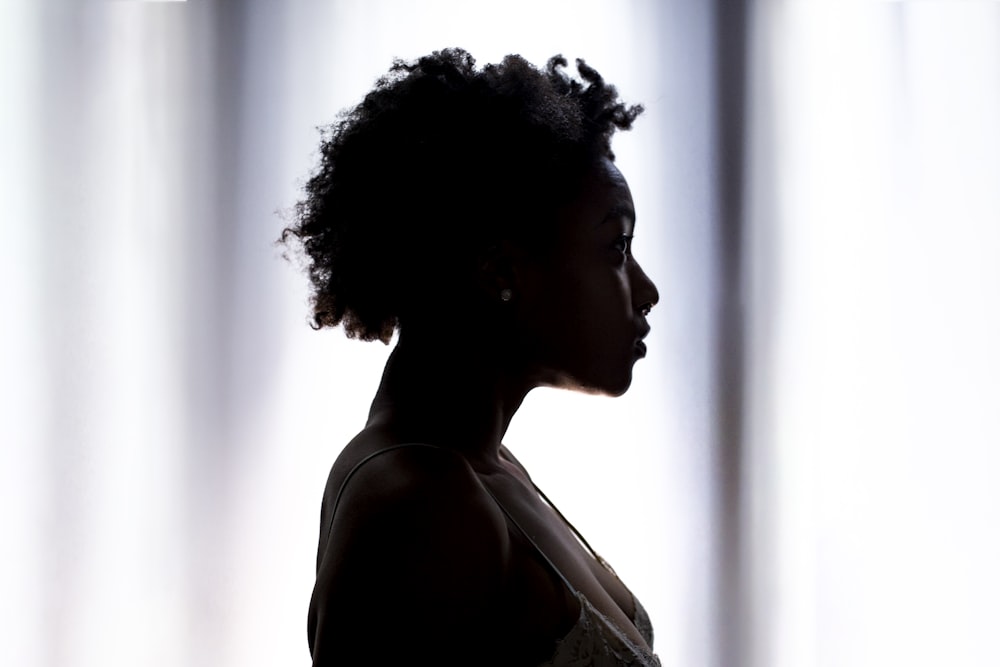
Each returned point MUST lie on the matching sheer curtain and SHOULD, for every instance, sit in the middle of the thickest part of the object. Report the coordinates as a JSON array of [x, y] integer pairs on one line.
[[873, 208], [168, 417], [803, 471]]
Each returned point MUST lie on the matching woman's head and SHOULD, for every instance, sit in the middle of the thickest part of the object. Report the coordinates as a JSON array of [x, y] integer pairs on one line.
[[439, 166], [579, 316]]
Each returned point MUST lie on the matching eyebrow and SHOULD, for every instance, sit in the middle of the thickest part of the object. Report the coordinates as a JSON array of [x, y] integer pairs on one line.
[[618, 211]]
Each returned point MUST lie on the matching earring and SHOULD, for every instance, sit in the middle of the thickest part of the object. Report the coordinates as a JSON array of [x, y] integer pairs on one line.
[[506, 295]]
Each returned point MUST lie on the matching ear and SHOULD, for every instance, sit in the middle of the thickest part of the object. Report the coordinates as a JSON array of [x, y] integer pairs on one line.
[[499, 269]]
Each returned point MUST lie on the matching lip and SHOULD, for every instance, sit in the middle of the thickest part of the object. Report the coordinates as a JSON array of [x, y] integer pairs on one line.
[[640, 349]]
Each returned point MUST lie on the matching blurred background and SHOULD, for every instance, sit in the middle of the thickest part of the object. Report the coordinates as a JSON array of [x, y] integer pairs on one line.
[[804, 471]]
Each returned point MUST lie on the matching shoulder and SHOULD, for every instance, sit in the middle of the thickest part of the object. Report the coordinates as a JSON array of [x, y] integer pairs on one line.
[[404, 481], [415, 540], [388, 493]]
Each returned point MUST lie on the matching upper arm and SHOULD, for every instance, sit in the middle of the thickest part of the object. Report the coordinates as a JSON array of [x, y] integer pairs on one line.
[[415, 560]]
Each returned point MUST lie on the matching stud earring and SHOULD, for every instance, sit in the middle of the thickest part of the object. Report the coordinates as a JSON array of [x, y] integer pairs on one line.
[[506, 295]]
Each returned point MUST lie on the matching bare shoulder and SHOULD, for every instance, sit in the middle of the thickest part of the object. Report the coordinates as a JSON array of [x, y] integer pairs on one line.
[[393, 486], [413, 540]]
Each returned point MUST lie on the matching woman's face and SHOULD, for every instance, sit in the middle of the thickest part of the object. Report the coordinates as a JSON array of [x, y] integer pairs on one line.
[[581, 310]]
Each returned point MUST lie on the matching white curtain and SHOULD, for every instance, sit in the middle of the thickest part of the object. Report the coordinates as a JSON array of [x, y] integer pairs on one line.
[[874, 381], [167, 417]]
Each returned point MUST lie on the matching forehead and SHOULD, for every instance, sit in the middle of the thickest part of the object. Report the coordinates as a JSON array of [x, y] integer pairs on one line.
[[603, 194]]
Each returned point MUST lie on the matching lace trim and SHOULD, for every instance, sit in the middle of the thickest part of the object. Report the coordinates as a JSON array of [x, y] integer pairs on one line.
[[642, 622], [597, 642]]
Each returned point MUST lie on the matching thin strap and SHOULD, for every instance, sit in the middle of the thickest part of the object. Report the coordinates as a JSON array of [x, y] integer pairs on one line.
[[350, 474], [347, 478], [579, 535], [533, 543]]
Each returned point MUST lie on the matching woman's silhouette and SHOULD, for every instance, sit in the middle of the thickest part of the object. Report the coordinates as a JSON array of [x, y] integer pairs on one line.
[[478, 212]]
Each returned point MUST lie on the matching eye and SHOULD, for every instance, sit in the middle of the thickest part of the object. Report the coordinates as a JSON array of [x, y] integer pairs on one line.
[[623, 244]]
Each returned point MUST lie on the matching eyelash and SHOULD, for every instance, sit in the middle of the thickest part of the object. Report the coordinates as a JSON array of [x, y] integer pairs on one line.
[[623, 243]]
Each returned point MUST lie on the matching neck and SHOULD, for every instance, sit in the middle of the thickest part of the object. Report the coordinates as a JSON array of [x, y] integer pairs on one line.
[[456, 395]]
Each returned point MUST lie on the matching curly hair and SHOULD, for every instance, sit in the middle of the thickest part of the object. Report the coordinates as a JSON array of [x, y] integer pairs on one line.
[[438, 163]]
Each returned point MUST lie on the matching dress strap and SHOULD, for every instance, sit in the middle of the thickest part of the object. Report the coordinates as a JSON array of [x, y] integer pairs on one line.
[[357, 466], [579, 535], [510, 517], [538, 549]]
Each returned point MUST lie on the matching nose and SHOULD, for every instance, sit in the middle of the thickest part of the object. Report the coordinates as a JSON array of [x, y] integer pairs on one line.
[[644, 292]]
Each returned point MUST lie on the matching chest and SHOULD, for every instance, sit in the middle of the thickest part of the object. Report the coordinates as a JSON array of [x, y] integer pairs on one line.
[[550, 560]]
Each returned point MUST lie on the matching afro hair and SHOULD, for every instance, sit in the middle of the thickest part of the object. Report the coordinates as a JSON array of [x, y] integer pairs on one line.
[[438, 163]]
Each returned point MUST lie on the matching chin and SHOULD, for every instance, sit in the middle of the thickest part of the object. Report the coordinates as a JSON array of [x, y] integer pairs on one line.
[[613, 380], [603, 387], [619, 390]]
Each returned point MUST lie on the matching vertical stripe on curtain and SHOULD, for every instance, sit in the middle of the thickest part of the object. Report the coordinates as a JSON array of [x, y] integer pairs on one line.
[[873, 369], [172, 417]]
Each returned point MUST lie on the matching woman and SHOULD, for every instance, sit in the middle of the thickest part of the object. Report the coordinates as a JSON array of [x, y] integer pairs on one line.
[[479, 213]]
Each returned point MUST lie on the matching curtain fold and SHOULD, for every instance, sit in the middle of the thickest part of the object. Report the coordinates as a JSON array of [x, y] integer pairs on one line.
[[803, 473], [873, 371], [169, 418]]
